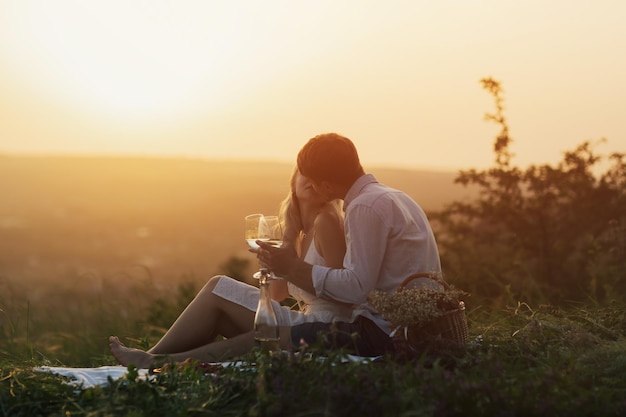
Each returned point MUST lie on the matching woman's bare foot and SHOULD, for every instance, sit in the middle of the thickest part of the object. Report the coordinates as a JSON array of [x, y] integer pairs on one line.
[[125, 355]]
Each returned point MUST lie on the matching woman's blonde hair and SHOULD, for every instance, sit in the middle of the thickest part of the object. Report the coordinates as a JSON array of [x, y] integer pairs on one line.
[[290, 216]]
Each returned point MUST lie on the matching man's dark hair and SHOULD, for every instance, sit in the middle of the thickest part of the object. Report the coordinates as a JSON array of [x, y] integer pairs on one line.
[[330, 157]]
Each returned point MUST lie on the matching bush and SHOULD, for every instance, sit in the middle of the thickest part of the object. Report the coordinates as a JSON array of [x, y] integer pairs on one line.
[[546, 233]]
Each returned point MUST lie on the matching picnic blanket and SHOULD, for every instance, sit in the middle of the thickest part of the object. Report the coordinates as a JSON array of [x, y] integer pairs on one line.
[[91, 377]]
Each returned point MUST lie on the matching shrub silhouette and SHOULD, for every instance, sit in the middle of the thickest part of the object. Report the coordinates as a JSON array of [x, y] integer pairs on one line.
[[544, 233]]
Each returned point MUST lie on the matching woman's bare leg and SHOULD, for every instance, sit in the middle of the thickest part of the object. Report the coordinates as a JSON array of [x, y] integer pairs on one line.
[[193, 334], [206, 317], [212, 352]]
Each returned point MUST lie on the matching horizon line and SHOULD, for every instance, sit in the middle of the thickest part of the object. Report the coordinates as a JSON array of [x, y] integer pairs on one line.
[[161, 156]]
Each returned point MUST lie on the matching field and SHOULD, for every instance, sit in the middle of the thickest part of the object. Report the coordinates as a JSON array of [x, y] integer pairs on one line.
[[66, 217], [91, 247]]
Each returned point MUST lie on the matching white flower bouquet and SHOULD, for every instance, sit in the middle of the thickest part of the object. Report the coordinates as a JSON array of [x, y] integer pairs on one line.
[[423, 317]]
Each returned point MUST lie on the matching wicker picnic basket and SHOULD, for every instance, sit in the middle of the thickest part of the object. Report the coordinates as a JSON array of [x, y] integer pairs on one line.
[[447, 333]]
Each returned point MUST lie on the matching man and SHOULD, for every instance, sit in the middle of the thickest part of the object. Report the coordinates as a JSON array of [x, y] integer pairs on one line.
[[388, 238]]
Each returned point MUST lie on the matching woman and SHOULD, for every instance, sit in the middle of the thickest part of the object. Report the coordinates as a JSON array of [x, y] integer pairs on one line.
[[226, 307]]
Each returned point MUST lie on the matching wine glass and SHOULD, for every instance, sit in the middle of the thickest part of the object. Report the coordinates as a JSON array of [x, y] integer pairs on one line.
[[270, 231], [266, 229], [253, 233], [252, 230]]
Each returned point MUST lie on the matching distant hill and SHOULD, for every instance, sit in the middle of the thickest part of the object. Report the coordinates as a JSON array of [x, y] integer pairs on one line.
[[431, 189], [64, 215]]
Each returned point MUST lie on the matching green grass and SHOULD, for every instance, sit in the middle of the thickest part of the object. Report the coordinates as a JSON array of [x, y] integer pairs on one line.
[[523, 361]]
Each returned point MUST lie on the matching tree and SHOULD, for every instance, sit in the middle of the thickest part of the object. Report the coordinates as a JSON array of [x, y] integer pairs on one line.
[[549, 233]]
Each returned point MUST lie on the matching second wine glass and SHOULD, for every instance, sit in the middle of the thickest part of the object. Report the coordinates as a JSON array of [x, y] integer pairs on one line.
[[266, 229], [271, 232]]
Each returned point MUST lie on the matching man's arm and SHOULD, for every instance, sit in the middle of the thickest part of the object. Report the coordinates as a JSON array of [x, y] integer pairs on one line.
[[362, 264], [301, 274], [367, 235]]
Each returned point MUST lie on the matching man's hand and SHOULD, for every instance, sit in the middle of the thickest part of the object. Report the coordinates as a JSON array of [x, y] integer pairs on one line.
[[284, 262], [278, 260]]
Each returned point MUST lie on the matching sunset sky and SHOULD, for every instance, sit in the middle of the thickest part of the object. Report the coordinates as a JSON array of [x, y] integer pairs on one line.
[[256, 79]]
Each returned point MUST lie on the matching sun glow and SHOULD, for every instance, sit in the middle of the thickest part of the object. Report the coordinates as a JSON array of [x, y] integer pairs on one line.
[[215, 78], [128, 60]]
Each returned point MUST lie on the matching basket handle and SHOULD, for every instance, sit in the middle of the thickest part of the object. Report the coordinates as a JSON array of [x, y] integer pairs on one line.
[[422, 275]]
